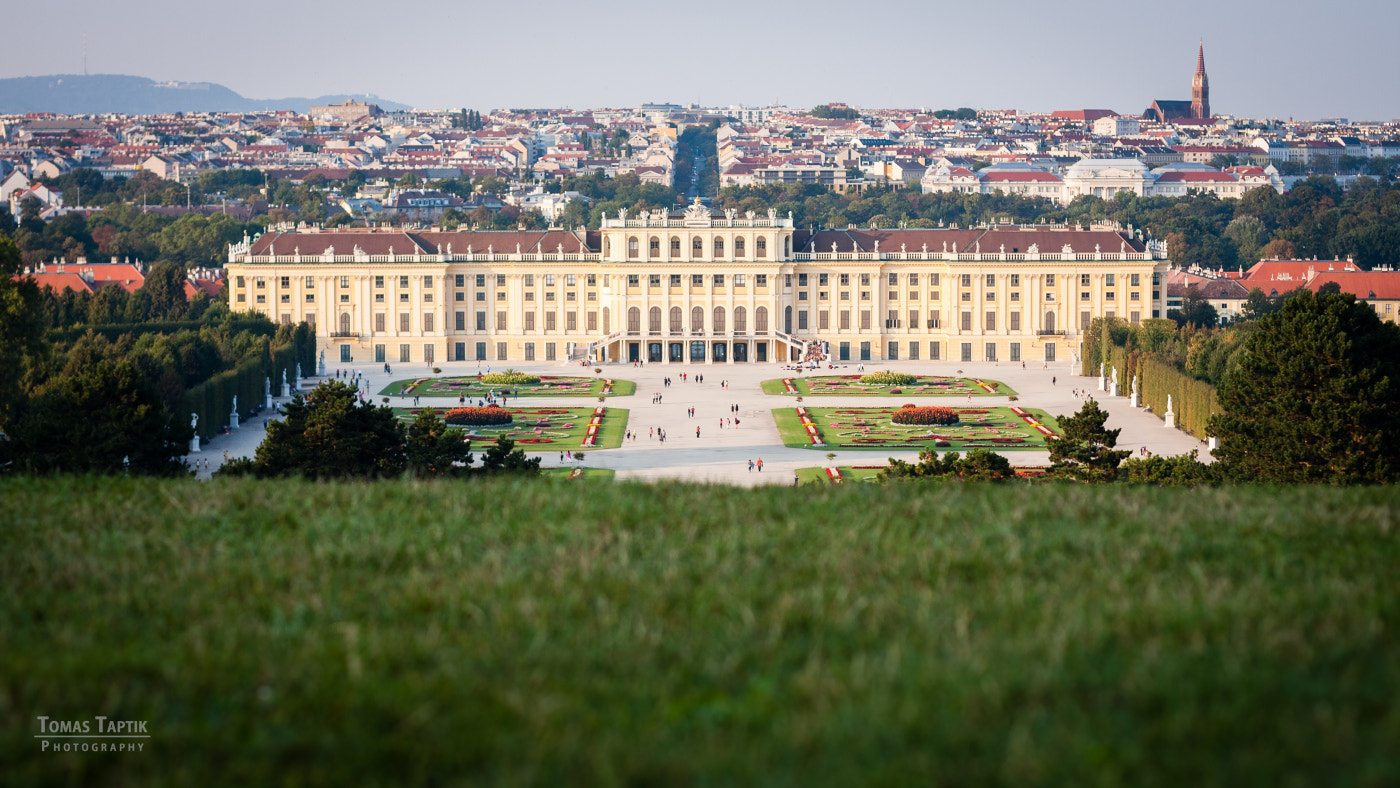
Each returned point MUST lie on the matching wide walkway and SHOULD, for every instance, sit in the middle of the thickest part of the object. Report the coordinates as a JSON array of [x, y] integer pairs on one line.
[[722, 454]]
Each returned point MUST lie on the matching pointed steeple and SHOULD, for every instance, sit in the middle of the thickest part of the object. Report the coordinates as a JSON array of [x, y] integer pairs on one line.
[[1200, 87]]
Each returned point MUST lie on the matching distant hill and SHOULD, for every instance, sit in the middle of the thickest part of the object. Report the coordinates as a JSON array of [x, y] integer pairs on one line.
[[77, 94]]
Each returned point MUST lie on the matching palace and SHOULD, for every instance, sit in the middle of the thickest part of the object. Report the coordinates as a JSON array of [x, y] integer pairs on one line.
[[700, 286]]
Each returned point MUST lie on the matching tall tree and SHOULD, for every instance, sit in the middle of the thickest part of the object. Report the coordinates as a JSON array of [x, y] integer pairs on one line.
[[1084, 451], [1314, 396], [330, 434], [104, 419], [435, 449], [21, 328]]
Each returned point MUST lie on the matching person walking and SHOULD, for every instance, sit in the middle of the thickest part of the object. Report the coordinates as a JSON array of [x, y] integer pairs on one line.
[[760, 464], [750, 466], [697, 432]]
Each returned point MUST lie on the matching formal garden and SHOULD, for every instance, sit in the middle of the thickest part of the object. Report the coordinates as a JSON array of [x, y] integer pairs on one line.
[[912, 427], [839, 474], [510, 383], [887, 384], [536, 429]]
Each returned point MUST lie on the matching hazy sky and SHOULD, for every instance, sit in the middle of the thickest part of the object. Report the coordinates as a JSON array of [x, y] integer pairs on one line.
[[1284, 58]]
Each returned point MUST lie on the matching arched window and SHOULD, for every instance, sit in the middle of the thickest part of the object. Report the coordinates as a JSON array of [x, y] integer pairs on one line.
[[675, 246], [697, 247], [760, 320], [741, 320], [697, 320], [607, 320], [719, 248], [632, 250], [760, 247], [654, 247], [634, 320], [607, 247], [345, 323], [739, 246], [654, 320], [1049, 321], [676, 316], [719, 320], [787, 247]]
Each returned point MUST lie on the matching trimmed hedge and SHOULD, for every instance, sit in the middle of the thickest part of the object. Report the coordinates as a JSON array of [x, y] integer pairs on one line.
[[510, 378]]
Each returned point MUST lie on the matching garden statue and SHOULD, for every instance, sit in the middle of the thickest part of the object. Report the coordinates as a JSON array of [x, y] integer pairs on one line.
[[1135, 392], [1170, 415], [267, 392], [285, 390], [233, 414], [194, 441]]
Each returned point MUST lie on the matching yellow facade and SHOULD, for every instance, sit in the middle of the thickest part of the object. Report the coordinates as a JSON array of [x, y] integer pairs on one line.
[[699, 287]]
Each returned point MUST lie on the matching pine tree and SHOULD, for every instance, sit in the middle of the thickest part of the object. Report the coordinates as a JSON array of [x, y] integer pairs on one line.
[[1314, 396], [1084, 451], [329, 434]]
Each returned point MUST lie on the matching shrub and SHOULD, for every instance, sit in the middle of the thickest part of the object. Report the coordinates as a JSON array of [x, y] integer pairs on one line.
[[491, 414], [928, 415], [509, 377], [887, 378]]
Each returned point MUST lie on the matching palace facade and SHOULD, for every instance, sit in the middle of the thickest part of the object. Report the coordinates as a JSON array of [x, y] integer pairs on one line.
[[700, 286]]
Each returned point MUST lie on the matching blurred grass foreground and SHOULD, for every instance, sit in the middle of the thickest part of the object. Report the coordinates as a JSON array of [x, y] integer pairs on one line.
[[538, 633]]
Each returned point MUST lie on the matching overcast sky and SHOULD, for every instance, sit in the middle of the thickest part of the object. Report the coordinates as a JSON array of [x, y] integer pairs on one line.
[[1283, 58]]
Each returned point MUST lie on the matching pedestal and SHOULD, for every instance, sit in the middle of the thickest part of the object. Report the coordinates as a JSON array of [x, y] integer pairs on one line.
[[1103, 383], [1170, 420], [1213, 442], [194, 445], [1136, 401], [268, 404], [321, 368], [1113, 390], [233, 421]]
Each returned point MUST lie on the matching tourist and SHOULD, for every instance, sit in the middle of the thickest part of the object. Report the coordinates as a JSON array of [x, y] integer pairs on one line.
[[750, 466], [760, 464], [697, 432]]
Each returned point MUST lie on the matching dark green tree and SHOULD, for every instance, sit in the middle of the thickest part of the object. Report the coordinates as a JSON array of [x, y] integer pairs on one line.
[[21, 327], [504, 458], [330, 434], [435, 449], [1183, 470], [104, 419], [1314, 396], [1084, 451], [980, 465]]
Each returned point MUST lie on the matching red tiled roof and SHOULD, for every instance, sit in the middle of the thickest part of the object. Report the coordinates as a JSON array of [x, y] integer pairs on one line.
[[1383, 285]]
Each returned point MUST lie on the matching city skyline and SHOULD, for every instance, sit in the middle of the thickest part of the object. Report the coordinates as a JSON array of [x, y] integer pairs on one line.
[[1090, 54]]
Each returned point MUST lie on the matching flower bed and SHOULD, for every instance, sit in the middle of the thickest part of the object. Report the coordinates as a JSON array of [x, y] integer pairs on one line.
[[509, 378], [887, 378], [878, 429], [478, 417], [932, 414]]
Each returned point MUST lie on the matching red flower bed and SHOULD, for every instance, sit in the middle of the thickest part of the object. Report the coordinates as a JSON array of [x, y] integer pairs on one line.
[[478, 416], [930, 414]]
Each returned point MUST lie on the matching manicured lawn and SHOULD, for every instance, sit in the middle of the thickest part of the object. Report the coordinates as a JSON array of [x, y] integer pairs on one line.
[[472, 389], [851, 386], [577, 474], [997, 428], [544, 428], [849, 473], [512, 632]]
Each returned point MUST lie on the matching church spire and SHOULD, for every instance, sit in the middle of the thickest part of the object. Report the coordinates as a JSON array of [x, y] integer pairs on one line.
[[1200, 87]]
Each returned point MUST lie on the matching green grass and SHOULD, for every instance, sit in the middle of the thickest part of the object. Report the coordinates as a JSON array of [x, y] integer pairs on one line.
[[849, 386], [507, 633], [450, 388], [962, 436], [818, 474], [553, 437], [591, 474]]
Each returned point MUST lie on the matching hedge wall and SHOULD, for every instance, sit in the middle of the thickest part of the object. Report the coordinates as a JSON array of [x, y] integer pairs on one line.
[[1193, 400], [213, 399]]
